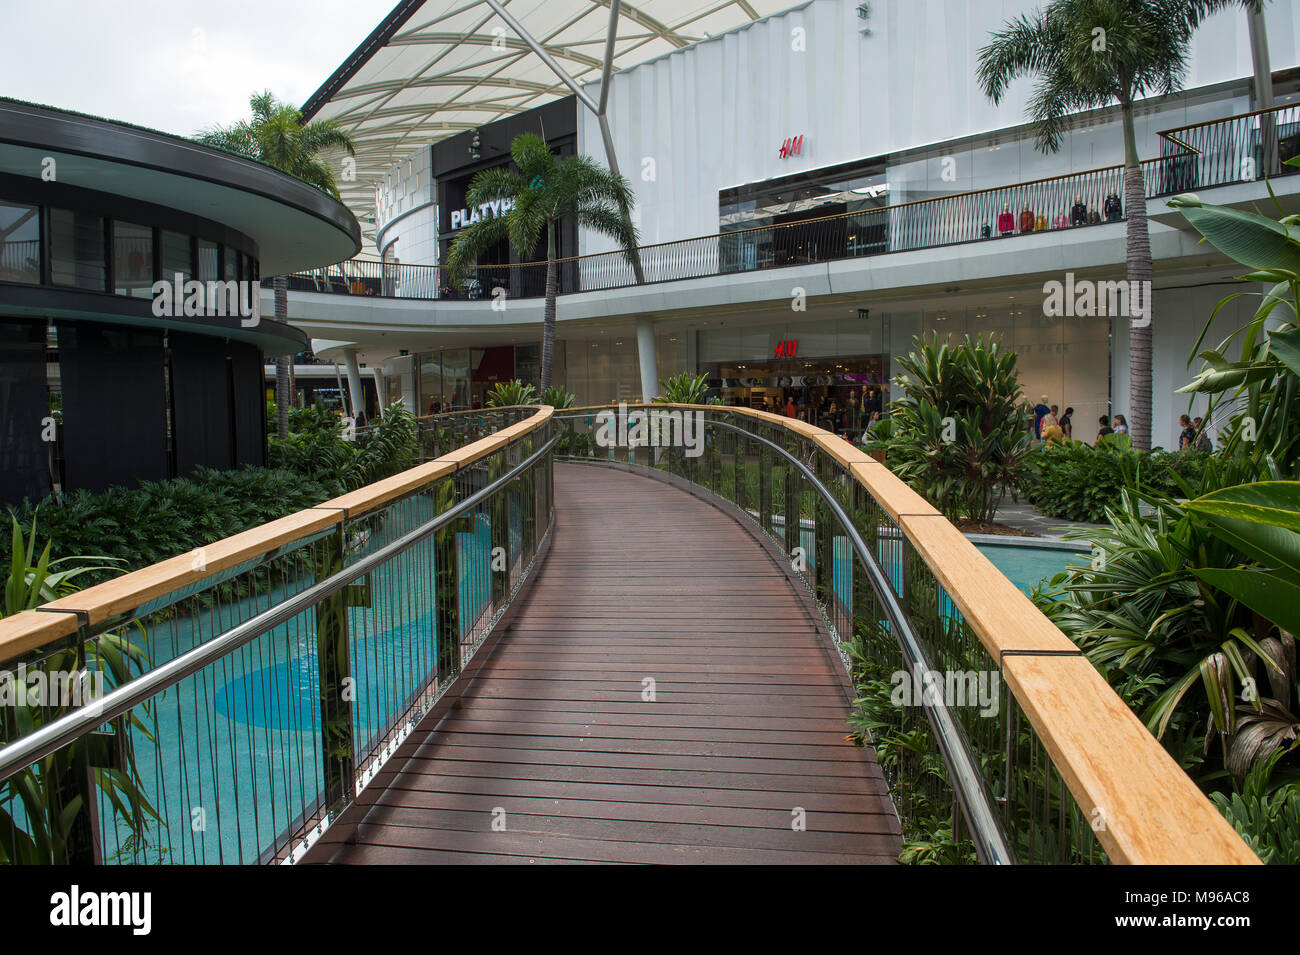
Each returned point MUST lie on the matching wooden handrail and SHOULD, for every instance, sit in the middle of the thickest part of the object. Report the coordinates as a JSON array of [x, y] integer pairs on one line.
[[23, 632], [1142, 806]]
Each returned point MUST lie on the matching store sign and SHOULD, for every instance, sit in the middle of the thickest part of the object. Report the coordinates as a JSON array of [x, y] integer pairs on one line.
[[487, 210], [791, 147], [786, 348]]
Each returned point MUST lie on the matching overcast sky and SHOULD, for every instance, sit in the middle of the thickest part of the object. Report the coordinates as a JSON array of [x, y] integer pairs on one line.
[[175, 65]]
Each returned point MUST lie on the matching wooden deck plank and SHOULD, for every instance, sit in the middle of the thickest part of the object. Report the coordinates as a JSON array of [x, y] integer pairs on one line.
[[746, 729]]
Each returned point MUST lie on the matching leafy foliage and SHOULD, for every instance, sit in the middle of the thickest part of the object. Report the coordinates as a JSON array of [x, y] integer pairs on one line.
[[321, 453], [683, 389], [1074, 481], [276, 135], [38, 816], [957, 435], [544, 191], [504, 394], [558, 398]]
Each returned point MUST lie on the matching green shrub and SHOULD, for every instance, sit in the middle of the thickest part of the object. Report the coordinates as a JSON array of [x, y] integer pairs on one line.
[[558, 398], [1074, 481], [506, 394], [957, 435], [683, 389]]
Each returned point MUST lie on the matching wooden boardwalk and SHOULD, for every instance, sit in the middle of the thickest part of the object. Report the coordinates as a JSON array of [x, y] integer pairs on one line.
[[554, 755]]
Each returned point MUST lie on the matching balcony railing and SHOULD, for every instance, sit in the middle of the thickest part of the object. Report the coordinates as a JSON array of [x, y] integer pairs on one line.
[[1217, 153], [256, 685], [1055, 769]]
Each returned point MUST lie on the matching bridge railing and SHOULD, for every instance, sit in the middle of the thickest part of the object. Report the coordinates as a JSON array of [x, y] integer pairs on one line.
[[993, 715], [1216, 153], [253, 687]]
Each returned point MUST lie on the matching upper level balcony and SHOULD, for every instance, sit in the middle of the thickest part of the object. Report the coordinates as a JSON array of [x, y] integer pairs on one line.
[[1233, 157]]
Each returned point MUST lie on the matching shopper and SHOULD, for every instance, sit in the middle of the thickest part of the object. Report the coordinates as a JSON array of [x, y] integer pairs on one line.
[[1121, 424], [1203, 440], [1186, 438], [1040, 410], [1051, 419], [1067, 427], [1104, 430]]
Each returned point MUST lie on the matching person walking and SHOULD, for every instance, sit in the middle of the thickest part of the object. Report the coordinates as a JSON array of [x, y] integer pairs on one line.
[[1040, 410], [1104, 430], [1066, 426], [1121, 424], [1187, 437], [1203, 441]]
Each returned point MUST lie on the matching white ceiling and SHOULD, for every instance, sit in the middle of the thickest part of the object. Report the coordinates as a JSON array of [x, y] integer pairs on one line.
[[451, 65]]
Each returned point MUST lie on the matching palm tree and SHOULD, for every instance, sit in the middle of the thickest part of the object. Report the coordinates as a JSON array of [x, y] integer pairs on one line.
[[1089, 54], [545, 191], [275, 135]]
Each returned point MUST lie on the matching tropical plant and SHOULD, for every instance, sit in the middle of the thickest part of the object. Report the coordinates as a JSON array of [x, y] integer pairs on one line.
[[44, 811], [324, 454], [544, 192], [683, 389], [558, 398], [506, 394], [1262, 387], [1088, 54], [957, 434], [1074, 481], [1266, 812], [276, 135]]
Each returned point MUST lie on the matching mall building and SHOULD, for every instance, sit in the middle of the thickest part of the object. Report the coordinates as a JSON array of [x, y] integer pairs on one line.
[[815, 187]]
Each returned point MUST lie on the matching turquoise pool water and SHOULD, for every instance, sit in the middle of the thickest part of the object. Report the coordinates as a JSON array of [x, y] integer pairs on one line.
[[1026, 566]]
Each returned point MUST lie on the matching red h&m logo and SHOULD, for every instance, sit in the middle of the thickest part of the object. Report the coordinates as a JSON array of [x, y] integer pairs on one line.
[[786, 348], [791, 147]]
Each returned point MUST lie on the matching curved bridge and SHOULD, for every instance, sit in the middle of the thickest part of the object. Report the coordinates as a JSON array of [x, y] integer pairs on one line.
[[641, 707], [607, 635]]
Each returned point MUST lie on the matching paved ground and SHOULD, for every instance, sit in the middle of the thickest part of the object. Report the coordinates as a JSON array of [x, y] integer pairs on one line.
[[1025, 518]]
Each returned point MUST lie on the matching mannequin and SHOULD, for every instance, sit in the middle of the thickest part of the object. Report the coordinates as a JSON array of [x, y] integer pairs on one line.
[[1006, 221], [1078, 212], [1026, 220]]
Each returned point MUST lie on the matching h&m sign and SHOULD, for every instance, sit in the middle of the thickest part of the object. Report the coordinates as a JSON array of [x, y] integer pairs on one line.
[[791, 147]]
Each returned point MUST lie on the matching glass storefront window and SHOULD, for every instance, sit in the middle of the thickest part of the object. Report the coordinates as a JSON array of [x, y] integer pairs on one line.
[[455, 379], [229, 264], [207, 261], [132, 260], [20, 243], [77, 250], [176, 256], [431, 383]]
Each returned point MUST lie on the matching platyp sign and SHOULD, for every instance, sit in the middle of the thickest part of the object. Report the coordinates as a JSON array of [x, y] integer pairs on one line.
[[487, 210]]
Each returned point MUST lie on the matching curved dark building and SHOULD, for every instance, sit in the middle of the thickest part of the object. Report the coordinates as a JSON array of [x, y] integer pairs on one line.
[[131, 336]]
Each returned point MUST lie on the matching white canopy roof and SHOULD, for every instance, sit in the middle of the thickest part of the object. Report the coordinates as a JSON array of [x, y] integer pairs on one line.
[[434, 68]]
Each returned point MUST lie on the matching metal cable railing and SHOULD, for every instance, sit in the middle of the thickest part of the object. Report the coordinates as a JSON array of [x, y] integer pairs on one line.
[[1009, 746], [1217, 153], [255, 685]]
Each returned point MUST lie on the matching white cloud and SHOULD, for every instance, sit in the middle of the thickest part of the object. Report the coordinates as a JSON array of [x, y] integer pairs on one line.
[[177, 65]]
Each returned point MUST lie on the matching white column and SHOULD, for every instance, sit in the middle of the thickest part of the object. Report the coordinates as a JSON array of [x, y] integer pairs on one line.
[[357, 395], [645, 348]]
